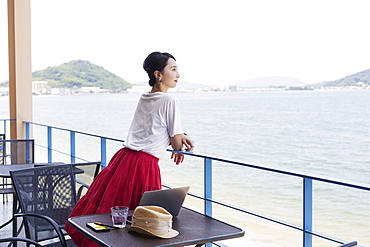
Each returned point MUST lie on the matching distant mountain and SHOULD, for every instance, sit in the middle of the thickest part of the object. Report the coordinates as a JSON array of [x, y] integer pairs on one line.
[[357, 79], [80, 73], [180, 85], [272, 81], [190, 85]]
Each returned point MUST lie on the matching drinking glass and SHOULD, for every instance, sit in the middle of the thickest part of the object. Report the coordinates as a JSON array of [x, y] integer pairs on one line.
[[119, 216]]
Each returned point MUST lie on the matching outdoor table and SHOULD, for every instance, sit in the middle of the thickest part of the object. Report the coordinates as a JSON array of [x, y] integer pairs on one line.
[[5, 169], [194, 228]]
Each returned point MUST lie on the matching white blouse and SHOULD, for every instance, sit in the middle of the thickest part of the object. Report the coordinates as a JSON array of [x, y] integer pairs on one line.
[[156, 120]]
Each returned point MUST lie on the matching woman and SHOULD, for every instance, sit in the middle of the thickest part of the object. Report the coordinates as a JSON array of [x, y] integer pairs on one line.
[[134, 169]]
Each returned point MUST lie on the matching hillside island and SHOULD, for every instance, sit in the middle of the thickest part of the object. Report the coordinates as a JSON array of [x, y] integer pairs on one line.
[[84, 77]]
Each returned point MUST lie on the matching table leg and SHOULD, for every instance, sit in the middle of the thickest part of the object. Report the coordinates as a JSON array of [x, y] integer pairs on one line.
[[14, 228]]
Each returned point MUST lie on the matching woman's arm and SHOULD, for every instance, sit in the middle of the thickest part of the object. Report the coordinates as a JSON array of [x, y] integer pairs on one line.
[[177, 143]]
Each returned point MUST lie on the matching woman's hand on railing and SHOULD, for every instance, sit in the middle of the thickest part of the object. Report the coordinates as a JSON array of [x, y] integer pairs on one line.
[[187, 142], [177, 158], [180, 143]]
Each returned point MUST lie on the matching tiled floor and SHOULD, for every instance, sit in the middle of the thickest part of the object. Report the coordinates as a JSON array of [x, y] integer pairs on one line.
[[6, 208], [5, 215]]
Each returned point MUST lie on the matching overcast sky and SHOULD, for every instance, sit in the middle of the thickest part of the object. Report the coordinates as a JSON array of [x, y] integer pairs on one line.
[[214, 42]]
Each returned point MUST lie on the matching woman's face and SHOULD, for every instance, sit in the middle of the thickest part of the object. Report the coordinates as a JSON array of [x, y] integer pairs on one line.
[[170, 74]]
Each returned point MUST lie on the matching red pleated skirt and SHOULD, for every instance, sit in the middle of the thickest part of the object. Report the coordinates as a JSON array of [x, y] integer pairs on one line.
[[122, 183]]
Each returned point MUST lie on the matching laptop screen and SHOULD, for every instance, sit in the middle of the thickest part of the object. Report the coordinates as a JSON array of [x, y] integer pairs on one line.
[[169, 199]]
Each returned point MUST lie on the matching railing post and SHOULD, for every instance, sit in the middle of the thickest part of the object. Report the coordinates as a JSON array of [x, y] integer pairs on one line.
[[208, 189], [208, 186], [307, 212], [73, 146], [103, 152], [27, 130], [50, 145], [5, 126], [28, 153]]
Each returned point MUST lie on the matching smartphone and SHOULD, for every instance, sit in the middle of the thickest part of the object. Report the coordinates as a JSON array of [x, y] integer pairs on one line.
[[98, 228]]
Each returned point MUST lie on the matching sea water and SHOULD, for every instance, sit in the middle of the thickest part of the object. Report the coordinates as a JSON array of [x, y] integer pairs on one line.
[[320, 132]]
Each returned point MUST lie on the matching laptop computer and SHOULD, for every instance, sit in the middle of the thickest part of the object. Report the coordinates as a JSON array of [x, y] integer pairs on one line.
[[169, 199]]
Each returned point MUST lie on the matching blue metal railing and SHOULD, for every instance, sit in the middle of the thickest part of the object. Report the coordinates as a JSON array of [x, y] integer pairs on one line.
[[72, 133], [307, 180], [307, 195], [5, 122]]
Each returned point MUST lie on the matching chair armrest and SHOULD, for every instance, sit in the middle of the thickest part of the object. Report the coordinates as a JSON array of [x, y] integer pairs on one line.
[[96, 163], [79, 192], [52, 223]]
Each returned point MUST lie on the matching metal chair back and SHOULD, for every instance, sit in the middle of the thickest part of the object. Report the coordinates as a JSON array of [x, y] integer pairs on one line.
[[19, 151], [48, 191]]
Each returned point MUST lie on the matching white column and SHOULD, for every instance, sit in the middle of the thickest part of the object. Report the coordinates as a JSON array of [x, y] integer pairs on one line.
[[20, 70]]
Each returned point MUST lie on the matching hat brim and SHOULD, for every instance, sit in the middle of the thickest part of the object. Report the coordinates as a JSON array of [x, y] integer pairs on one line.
[[172, 233]]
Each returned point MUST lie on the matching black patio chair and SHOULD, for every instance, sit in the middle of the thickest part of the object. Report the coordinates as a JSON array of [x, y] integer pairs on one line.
[[19, 151], [46, 191]]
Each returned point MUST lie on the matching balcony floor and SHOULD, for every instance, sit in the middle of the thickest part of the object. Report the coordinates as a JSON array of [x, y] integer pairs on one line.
[[5, 215]]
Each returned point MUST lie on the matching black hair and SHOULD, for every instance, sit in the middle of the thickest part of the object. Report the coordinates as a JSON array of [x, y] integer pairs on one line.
[[156, 61]]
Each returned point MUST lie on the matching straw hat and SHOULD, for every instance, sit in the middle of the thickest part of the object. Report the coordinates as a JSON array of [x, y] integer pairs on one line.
[[153, 221]]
